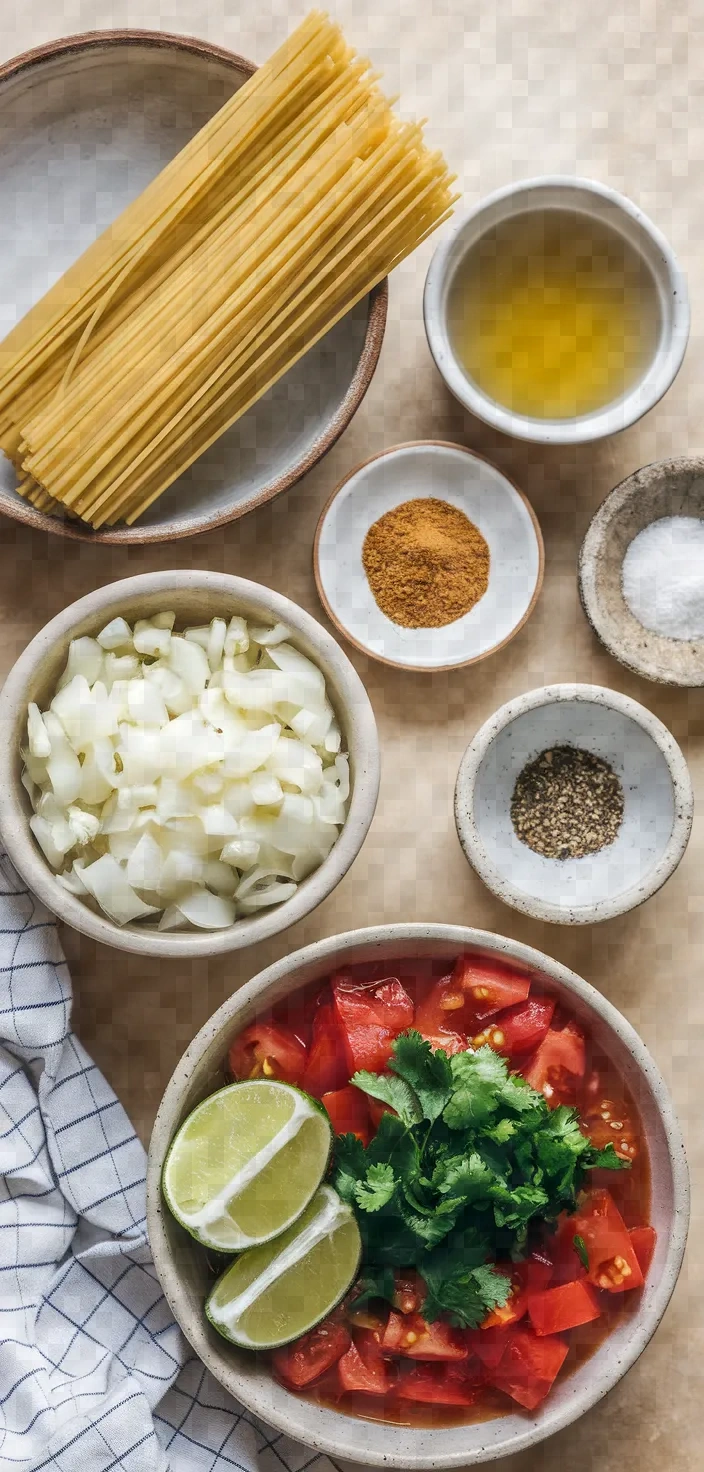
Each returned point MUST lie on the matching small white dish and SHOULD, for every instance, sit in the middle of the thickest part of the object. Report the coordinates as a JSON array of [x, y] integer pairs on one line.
[[657, 789], [442, 471], [585, 197]]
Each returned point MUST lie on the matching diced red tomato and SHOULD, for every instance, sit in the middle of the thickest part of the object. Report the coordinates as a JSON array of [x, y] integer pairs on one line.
[[370, 1019], [450, 1042], [643, 1240], [363, 1366], [442, 1385], [443, 1010], [524, 1026], [529, 1366], [348, 1112], [558, 1064], [267, 1050], [409, 1292], [303, 1361], [567, 1267], [487, 1344], [528, 1278], [562, 1308], [613, 1263], [607, 1122], [326, 1069], [409, 1335], [489, 985]]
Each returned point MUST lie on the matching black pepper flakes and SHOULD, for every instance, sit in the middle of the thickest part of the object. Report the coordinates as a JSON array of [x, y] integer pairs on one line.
[[567, 803]]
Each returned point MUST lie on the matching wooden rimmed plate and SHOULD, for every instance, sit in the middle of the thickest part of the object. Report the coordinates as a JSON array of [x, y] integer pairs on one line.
[[488, 498], [85, 124]]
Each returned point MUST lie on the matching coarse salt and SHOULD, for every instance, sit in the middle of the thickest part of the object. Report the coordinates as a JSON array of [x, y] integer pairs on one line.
[[663, 577]]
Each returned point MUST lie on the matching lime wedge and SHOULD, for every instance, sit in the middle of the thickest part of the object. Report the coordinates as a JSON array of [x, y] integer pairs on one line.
[[275, 1292], [246, 1162]]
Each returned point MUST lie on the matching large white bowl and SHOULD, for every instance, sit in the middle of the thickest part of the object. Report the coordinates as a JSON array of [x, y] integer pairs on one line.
[[181, 1265], [195, 597]]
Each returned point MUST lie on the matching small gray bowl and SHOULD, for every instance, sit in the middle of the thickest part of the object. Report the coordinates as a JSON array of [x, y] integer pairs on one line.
[[195, 597], [666, 488], [181, 1266], [659, 804]]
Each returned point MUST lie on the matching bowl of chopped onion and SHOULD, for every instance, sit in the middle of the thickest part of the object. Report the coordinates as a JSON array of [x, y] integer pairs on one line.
[[188, 764]]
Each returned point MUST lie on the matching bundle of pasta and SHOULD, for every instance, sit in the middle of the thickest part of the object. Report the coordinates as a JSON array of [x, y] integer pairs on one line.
[[301, 194]]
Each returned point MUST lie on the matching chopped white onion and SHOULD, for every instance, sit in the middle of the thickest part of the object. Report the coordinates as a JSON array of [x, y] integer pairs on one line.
[[116, 635], [194, 776], [150, 639]]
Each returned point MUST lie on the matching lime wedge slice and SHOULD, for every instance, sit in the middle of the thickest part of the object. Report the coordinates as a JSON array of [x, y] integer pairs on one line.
[[275, 1292], [246, 1162]]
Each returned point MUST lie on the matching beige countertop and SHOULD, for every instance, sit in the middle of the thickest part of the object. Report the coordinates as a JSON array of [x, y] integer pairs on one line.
[[610, 89]]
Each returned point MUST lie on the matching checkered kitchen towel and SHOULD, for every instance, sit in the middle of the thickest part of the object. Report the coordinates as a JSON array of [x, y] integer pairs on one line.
[[94, 1374]]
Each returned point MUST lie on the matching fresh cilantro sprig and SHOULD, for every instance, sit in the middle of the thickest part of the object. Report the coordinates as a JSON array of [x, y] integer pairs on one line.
[[471, 1162]]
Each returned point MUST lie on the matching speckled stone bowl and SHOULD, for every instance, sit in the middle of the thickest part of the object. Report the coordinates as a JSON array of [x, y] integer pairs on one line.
[[182, 1270], [667, 488], [658, 809]]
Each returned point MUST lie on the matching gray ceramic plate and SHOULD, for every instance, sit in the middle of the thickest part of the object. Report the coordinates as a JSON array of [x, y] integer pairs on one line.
[[85, 124]]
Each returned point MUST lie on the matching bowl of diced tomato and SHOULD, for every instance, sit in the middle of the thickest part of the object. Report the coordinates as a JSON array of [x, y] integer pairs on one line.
[[516, 1170]]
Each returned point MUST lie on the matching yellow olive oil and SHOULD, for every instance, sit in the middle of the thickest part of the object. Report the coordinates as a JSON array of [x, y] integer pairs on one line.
[[553, 314]]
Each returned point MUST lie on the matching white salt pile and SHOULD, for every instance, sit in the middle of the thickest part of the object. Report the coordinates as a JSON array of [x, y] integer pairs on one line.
[[663, 577]]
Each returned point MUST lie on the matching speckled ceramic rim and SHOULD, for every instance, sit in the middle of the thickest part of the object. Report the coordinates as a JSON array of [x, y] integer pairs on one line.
[[598, 534], [304, 1420], [613, 417], [475, 851], [23, 511], [353, 709], [397, 664]]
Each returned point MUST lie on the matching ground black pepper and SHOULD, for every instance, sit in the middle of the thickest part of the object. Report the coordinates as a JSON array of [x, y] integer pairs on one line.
[[567, 803]]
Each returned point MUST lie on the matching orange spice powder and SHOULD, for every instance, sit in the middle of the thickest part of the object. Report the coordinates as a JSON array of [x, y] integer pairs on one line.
[[426, 563]]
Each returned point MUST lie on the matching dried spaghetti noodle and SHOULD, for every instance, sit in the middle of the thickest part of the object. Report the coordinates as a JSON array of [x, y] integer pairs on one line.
[[280, 214]]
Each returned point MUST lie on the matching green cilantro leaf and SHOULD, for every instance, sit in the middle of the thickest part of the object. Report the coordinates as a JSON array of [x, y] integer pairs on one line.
[[580, 1248], [394, 1144], [464, 1295], [393, 1091], [429, 1228], [477, 1082], [464, 1176], [350, 1166], [605, 1159], [427, 1072], [377, 1189], [514, 1208]]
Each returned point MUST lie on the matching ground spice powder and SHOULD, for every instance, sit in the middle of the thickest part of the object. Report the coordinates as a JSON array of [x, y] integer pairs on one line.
[[426, 563], [567, 803]]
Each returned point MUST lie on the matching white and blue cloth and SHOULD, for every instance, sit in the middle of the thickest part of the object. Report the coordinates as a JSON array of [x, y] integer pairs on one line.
[[95, 1376]]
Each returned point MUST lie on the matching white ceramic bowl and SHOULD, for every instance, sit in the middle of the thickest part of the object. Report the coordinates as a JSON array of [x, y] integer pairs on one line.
[[180, 1262], [87, 122], [657, 820], [429, 468], [584, 196], [195, 597]]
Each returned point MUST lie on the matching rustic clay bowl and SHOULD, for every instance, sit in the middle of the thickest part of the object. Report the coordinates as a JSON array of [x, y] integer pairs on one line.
[[667, 488], [85, 124], [658, 808], [195, 597], [181, 1265]]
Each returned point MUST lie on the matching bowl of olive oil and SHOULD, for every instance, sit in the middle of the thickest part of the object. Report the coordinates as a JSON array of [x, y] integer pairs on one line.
[[556, 311]]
